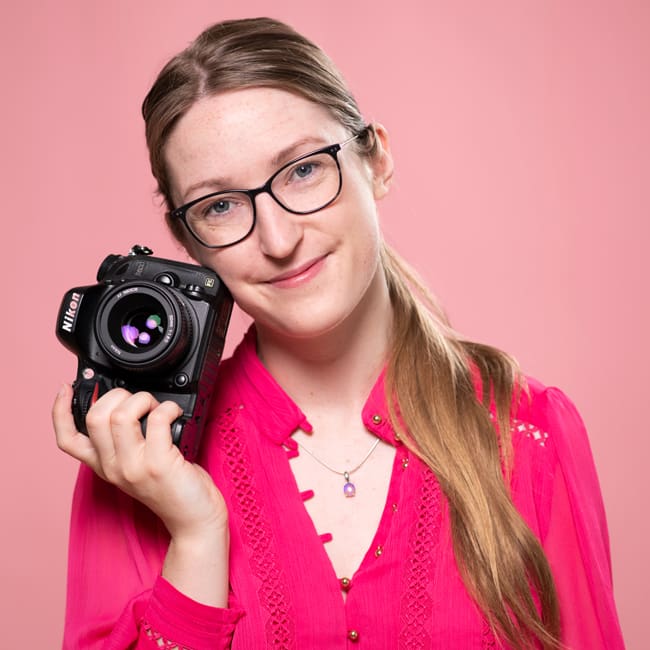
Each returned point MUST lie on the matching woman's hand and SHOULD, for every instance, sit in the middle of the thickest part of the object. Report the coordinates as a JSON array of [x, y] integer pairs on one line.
[[152, 470]]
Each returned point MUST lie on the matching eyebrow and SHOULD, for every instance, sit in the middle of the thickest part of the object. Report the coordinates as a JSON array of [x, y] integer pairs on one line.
[[281, 157], [290, 152]]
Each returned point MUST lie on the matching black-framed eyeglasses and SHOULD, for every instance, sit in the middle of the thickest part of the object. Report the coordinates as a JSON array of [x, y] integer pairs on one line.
[[304, 185]]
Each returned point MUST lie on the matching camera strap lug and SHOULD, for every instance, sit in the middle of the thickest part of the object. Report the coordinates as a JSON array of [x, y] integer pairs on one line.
[[136, 249]]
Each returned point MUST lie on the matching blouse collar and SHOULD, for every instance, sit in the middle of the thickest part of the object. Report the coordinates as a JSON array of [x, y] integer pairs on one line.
[[277, 416]]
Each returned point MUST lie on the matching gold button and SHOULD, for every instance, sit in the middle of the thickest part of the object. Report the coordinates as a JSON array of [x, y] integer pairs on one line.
[[353, 635], [378, 551], [397, 437], [345, 583], [376, 418], [405, 463]]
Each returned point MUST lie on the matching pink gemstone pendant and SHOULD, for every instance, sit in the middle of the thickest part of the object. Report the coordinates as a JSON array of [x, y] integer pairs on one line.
[[349, 489]]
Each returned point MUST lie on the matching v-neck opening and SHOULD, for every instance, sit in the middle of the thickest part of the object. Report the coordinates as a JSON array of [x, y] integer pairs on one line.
[[380, 537]]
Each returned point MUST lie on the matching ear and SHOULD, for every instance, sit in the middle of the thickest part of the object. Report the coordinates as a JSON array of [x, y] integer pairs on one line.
[[381, 163]]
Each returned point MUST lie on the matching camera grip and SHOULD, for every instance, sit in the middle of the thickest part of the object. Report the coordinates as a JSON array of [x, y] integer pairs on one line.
[[86, 392]]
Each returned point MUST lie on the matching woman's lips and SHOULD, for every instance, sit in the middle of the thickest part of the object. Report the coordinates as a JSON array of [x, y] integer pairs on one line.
[[299, 275]]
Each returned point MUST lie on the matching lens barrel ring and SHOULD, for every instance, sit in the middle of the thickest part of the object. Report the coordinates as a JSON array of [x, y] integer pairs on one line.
[[129, 303]]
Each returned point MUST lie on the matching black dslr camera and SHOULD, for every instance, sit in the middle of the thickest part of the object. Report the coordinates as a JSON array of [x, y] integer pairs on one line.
[[150, 324]]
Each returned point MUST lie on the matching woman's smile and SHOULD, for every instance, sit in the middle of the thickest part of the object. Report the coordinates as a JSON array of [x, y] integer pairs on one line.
[[299, 274]]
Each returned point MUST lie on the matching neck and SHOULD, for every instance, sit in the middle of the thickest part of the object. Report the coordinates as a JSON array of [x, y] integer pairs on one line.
[[338, 367]]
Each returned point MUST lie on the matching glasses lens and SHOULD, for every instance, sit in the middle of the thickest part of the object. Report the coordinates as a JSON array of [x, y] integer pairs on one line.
[[308, 184], [221, 219]]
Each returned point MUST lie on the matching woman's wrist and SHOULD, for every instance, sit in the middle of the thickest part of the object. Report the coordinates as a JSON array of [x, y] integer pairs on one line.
[[197, 565]]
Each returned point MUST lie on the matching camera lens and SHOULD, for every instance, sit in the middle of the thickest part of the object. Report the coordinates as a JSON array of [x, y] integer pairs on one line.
[[143, 327]]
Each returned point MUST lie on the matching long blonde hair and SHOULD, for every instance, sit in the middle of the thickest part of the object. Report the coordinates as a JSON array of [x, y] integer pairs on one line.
[[431, 371]]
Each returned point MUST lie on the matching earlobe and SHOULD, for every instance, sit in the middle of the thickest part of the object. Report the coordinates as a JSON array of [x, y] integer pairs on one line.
[[382, 163]]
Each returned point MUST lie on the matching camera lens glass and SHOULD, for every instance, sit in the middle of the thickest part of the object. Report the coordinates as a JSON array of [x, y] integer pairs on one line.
[[140, 325], [143, 326]]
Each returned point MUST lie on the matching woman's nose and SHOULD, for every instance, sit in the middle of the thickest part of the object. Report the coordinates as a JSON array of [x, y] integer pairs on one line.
[[279, 232]]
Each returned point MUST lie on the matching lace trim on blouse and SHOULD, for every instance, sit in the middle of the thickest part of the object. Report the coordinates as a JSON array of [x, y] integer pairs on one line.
[[416, 605], [159, 640], [257, 534]]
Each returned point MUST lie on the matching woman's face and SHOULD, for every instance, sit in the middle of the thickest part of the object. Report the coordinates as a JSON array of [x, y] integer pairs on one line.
[[295, 275]]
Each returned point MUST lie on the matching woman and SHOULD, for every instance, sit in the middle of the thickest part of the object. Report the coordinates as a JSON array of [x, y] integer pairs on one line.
[[366, 476]]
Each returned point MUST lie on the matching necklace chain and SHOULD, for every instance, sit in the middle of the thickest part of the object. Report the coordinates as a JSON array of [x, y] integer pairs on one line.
[[336, 471]]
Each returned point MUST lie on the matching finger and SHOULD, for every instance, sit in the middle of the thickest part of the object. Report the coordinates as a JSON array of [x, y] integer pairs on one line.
[[151, 457], [68, 439], [99, 423], [126, 423], [159, 438]]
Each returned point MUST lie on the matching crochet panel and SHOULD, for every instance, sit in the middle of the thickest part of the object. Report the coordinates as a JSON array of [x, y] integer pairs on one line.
[[257, 534], [416, 606], [530, 431], [159, 641]]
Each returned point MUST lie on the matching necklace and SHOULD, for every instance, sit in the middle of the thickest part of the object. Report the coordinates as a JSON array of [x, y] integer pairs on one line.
[[349, 488]]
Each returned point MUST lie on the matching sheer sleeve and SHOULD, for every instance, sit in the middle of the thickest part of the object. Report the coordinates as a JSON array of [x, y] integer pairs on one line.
[[116, 597], [575, 536]]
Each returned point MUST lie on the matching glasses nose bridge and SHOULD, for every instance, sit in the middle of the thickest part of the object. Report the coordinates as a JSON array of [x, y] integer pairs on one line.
[[264, 189]]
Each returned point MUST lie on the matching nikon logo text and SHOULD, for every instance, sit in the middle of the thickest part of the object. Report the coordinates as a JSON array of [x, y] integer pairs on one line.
[[70, 313]]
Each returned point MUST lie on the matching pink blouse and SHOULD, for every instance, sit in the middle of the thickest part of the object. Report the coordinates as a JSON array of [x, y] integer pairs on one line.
[[407, 592]]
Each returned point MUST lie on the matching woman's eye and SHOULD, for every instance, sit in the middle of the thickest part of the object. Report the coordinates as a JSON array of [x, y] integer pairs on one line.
[[304, 170], [307, 170], [219, 207]]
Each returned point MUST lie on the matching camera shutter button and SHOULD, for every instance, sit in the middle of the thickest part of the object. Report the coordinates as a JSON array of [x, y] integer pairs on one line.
[[181, 380]]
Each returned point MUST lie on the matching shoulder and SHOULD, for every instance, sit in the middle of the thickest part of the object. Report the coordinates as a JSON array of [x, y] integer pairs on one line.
[[549, 442], [547, 407], [535, 461], [546, 415]]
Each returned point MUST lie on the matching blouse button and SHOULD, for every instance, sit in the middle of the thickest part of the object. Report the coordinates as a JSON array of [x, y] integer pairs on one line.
[[345, 584], [378, 551], [353, 635], [405, 463], [376, 418]]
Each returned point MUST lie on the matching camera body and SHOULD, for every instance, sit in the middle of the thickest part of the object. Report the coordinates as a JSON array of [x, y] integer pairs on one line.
[[150, 324]]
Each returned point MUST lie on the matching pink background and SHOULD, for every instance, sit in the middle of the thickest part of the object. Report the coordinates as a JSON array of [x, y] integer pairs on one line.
[[521, 138]]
